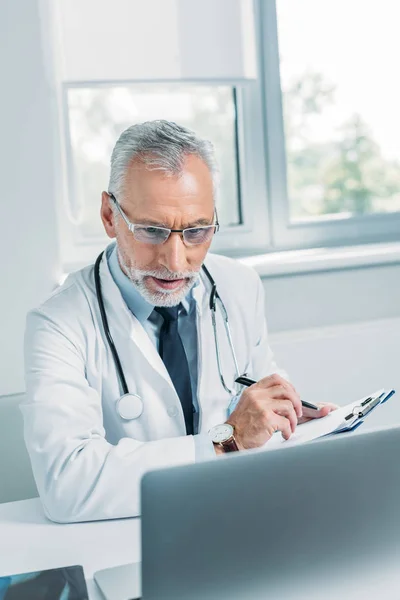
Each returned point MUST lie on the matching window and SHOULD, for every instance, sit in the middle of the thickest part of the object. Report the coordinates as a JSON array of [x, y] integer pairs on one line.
[[97, 116], [340, 100], [309, 153], [335, 177]]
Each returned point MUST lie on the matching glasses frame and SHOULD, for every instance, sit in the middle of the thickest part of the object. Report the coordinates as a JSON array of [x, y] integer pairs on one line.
[[131, 226]]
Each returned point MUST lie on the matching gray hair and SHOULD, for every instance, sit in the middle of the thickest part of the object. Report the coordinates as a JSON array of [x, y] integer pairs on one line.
[[160, 145]]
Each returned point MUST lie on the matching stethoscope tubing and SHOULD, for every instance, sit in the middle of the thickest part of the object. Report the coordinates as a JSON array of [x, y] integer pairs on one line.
[[106, 328], [214, 298]]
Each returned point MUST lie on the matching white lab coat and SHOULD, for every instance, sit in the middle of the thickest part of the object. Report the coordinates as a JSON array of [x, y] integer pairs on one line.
[[87, 460]]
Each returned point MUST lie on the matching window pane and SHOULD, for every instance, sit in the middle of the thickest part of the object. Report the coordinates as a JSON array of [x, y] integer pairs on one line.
[[97, 116], [341, 101]]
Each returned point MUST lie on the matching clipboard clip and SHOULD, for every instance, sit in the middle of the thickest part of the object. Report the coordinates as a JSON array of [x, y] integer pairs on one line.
[[365, 407]]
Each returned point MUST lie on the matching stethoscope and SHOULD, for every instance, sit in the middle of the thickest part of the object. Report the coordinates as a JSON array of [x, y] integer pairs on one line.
[[130, 406]]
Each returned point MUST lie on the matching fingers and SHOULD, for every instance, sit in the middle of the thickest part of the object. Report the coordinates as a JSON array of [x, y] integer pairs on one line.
[[267, 406], [281, 389], [280, 423], [275, 379], [285, 408], [270, 381], [323, 410], [280, 392], [328, 404]]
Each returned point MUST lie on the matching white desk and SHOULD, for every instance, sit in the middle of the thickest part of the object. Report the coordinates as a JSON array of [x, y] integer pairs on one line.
[[29, 542]]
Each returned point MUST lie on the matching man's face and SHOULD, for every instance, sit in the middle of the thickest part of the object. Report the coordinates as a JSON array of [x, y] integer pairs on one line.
[[163, 273]]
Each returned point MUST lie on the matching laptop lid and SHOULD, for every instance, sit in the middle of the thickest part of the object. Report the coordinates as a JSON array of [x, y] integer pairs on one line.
[[318, 520]]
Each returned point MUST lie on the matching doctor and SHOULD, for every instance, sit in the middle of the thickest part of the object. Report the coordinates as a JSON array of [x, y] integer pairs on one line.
[[122, 369]]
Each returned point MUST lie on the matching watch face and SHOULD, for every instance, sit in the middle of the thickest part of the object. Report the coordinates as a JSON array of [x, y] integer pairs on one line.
[[221, 433]]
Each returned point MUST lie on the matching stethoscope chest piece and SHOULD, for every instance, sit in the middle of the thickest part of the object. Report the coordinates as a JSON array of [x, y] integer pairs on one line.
[[129, 406]]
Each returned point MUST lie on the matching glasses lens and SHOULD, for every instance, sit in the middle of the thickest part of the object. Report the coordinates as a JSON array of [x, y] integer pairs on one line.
[[198, 235], [150, 235]]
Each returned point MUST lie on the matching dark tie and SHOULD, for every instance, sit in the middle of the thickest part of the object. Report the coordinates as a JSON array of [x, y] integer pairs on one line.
[[173, 355]]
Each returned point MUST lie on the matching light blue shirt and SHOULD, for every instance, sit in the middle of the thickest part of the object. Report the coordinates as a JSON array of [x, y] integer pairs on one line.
[[152, 322]]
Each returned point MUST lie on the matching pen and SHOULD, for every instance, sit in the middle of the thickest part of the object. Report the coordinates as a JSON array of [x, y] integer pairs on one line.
[[247, 381]]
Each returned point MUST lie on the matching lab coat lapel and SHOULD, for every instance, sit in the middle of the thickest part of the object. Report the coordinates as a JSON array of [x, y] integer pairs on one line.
[[125, 324], [212, 397]]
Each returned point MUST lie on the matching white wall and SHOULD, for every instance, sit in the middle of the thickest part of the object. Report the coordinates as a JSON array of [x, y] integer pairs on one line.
[[28, 243], [16, 477], [332, 297], [180, 28], [337, 334], [343, 363]]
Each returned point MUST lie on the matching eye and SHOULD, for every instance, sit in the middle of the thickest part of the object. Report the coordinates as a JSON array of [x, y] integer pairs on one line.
[[199, 235], [150, 234], [195, 232], [148, 231]]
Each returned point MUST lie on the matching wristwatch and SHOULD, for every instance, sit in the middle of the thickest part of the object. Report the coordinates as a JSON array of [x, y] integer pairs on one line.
[[224, 437]]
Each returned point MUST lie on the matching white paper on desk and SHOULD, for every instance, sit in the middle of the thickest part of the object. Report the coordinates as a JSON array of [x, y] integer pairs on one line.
[[316, 428]]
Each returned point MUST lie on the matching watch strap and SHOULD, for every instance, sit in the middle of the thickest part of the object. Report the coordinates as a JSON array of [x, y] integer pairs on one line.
[[230, 445]]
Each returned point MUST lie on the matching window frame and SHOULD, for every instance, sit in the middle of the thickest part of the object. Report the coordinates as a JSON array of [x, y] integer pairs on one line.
[[337, 231], [251, 236]]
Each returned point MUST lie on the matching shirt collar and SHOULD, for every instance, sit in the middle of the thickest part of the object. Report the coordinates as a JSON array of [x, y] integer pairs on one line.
[[132, 297]]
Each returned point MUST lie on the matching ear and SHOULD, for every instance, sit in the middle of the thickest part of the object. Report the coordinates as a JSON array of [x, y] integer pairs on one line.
[[107, 215]]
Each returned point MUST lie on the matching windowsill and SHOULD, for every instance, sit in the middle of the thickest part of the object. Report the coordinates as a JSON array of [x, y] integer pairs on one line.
[[295, 262]]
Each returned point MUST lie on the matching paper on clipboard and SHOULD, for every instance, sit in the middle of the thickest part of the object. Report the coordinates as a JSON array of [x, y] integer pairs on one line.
[[318, 427]]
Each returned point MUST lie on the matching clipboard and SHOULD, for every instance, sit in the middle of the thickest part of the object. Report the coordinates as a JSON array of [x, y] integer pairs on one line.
[[359, 412], [344, 419]]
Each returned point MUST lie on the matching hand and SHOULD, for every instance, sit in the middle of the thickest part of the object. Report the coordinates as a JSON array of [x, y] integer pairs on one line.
[[324, 409], [272, 404], [309, 413]]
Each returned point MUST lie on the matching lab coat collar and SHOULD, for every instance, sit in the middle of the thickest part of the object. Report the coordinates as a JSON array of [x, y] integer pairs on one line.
[[201, 291], [123, 323], [132, 297]]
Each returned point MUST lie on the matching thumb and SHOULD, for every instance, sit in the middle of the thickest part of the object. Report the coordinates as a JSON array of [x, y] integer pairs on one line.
[[323, 411]]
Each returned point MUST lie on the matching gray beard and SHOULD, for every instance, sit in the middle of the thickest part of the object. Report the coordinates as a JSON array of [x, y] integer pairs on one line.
[[167, 298]]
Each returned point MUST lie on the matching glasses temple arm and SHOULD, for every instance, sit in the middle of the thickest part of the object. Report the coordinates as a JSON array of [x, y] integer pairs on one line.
[[121, 212]]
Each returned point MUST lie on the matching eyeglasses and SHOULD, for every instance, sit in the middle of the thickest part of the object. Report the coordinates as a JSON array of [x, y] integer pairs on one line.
[[150, 234]]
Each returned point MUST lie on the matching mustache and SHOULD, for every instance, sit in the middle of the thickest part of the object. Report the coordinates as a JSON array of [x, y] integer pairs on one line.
[[168, 275]]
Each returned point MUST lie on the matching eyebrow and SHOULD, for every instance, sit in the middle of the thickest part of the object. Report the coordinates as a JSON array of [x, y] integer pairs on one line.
[[151, 222]]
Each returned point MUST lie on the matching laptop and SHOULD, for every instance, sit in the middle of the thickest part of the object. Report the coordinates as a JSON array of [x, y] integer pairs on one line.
[[321, 520]]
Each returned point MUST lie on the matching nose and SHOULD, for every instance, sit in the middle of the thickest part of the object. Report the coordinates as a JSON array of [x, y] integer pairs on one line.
[[173, 254]]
